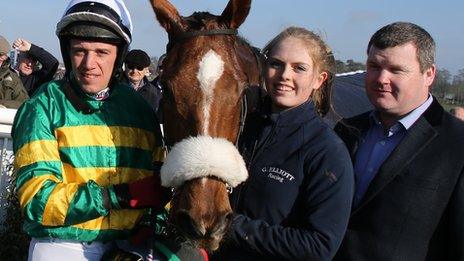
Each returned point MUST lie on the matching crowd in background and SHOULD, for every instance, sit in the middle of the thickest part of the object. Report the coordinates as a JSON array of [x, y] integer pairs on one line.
[[25, 66]]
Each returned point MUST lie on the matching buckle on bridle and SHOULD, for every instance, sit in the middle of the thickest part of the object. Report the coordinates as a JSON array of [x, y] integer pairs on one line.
[[229, 188]]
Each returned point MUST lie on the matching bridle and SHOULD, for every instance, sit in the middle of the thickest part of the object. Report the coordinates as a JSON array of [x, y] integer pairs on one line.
[[252, 95], [229, 188], [191, 34]]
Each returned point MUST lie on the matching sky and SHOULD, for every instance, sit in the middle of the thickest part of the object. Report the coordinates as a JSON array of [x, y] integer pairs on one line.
[[345, 25]]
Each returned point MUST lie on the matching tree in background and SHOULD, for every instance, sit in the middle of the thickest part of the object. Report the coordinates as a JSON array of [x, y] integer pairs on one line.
[[152, 68], [349, 66], [458, 86], [458, 79], [448, 87], [442, 83]]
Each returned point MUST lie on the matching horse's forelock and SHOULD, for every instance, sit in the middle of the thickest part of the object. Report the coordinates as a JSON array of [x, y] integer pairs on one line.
[[202, 21]]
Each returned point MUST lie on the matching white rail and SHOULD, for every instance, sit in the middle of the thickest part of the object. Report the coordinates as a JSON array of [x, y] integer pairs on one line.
[[6, 120]]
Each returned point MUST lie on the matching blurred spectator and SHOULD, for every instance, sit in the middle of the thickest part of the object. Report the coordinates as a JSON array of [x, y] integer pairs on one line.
[[27, 65], [136, 66], [59, 74], [458, 112], [12, 92]]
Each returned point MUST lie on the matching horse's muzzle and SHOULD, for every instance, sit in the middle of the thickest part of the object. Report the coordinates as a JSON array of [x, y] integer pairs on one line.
[[208, 233]]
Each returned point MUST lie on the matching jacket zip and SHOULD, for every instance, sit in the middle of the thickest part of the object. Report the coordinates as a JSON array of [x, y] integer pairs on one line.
[[254, 155]]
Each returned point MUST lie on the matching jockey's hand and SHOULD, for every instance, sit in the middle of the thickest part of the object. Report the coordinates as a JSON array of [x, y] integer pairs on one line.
[[143, 193]]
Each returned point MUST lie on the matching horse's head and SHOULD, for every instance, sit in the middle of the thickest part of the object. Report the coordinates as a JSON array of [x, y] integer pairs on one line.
[[205, 73]]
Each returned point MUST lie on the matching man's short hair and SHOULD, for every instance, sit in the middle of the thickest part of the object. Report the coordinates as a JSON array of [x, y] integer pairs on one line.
[[137, 59], [400, 33]]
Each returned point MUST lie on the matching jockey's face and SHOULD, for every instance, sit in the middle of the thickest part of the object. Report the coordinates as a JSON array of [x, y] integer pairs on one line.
[[92, 64]]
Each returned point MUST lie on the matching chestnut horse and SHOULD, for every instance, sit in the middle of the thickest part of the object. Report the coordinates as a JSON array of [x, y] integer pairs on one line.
[[206, 72]]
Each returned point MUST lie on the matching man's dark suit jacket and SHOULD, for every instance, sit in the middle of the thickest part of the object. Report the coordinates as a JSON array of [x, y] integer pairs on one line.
[[414, 207]]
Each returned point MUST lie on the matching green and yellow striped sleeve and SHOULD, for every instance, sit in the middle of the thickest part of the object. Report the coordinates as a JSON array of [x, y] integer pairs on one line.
[[45, 195]]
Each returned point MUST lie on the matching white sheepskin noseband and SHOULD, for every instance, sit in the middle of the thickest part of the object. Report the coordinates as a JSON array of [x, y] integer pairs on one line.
[[203, 156]]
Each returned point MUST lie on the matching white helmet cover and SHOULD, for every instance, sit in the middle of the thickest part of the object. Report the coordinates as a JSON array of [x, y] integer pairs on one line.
[[117, 17]]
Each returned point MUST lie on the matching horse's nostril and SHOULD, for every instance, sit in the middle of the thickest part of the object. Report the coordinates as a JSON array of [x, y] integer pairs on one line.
[[222, 225], [189, 226]]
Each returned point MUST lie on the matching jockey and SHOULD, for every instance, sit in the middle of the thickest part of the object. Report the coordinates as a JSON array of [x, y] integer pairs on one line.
[[87, 148]]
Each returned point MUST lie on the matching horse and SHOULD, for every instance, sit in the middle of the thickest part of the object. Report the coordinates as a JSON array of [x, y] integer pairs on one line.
[[206, 73]]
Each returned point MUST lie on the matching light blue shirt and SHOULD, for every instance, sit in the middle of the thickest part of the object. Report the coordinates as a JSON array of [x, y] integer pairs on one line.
[[377, 144]]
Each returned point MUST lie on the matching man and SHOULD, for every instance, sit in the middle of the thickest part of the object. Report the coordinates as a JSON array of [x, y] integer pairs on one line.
[[136, 70], [407, 155], [12, 92], [28, 57], [458, 112], [84, 146]]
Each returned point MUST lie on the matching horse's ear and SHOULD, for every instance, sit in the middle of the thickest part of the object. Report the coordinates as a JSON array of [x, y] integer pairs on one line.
[[235, 13], [167, 16]]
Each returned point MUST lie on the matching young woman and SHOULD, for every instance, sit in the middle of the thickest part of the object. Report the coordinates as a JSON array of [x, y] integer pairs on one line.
[[296, 203]]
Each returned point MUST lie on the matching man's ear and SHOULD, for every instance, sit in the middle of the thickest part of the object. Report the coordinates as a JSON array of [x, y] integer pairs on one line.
[[429, 75]]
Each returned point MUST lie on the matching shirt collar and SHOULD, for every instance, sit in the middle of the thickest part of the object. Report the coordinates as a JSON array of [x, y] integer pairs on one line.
[[101, 95], [407, 121], [141, 84]]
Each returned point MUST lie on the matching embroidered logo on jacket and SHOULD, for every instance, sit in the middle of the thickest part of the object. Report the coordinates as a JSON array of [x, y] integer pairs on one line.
[[277, 174]]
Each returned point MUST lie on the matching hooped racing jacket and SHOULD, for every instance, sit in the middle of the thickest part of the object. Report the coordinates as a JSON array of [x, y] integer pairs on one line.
[[65, 159]]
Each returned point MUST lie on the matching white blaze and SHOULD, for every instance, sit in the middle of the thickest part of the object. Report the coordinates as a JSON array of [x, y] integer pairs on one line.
[[210, 70]]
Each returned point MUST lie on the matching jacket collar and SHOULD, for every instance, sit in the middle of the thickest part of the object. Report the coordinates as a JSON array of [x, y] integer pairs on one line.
[[360, 123], [81, 101], [297, 115], [421, 133]]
